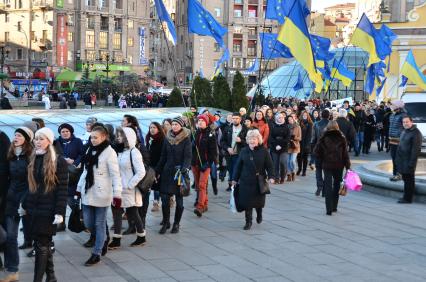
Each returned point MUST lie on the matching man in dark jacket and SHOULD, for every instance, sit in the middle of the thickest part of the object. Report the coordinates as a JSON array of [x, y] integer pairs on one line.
[[359, 122], [406, 157], [233, 140], [395, 130], [346, 127], [319, 129]]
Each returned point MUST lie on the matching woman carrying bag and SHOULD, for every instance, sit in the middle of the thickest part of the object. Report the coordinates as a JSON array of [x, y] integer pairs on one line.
[[175, 159], [46, 201], [254, 161], [99, 186], [132, 171]]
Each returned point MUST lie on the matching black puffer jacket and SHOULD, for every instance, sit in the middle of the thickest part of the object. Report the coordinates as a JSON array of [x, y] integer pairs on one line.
[[154, 146], [408, 150], [205, 143], [18, 187], [305, 143], [41, 204], [176, 152], [332, 150], [279, 135]]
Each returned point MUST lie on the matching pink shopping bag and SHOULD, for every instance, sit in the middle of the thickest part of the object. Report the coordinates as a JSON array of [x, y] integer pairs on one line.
[[352, 181]]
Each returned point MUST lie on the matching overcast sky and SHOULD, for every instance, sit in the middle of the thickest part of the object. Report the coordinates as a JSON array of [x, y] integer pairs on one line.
[[319, 5]]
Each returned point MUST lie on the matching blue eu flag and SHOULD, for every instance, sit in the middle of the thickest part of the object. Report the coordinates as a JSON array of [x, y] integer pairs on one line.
[[299, 83], [321, 47], [201, 22], [279, 9], [164, 16], [272, 48]]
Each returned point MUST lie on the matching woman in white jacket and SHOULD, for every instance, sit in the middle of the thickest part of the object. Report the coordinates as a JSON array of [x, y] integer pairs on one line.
[[99, 186], [132, 171]]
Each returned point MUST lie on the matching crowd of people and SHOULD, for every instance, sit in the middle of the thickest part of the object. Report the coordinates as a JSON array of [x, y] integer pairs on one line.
[[106, 168]]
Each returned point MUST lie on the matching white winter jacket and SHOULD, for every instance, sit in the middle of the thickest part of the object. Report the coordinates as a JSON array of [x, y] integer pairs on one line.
[[107, 181], [131, 196]]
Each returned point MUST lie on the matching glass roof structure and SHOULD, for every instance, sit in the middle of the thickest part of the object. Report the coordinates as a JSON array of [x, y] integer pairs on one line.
[[280, 82], [12, 119]]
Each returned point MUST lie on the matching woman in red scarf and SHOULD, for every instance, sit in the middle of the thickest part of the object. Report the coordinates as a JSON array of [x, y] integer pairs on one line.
[[261, 124]]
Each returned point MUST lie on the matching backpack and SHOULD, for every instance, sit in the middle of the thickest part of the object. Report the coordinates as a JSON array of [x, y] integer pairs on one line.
[[148, 180]]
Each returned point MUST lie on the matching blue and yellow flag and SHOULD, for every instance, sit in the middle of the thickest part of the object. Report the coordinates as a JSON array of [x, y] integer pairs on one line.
[[272, 48], [164, 16], [201, 22], [340, 71], [412, 72], [299, 83], [279, 9], [295, 35], [253, 68], [225, 57], [321, 49]]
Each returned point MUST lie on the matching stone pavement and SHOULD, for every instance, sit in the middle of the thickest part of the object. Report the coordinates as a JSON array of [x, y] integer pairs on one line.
[[371, 238]]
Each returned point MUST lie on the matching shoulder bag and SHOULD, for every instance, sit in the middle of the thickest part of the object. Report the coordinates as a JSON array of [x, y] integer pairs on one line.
[[148, 180], [262, 183]]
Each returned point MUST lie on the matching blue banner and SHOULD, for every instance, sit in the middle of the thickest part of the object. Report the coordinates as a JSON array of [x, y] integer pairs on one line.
[[142, 58]]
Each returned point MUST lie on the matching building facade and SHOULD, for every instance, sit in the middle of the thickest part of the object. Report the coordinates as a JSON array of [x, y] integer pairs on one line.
[[50, 35]]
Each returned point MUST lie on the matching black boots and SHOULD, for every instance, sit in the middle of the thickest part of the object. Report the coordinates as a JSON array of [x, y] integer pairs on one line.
[[25, 245], [214, 185], [91, 242], [140, 240], [249, 216], [43, 264], [61, 227], [259, 217], [94, 259], [178, 216], [166, 218], [115, 243]]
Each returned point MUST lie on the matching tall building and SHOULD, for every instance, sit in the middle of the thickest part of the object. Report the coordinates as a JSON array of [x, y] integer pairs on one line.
[[244, 20], [49, 35]]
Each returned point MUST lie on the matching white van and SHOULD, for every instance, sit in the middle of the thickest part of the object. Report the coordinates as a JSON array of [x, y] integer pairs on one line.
[[415, 105]]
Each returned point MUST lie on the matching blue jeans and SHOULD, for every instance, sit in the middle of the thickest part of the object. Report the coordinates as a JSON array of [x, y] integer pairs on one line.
[[231, 163], [213, 171], [156, 196], [292, 162], [11, 253], [359, 140], [95, 221]]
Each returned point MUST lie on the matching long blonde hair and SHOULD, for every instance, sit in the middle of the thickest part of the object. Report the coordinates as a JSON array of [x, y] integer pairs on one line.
[[49, 171]]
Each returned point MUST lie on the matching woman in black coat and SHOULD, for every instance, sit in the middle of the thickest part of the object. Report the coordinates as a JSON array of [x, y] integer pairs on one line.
[[306, 126], [253, 160], [175, 155], [46, 200], [332, 150], [17, 156], [369, 131], [279, 138]]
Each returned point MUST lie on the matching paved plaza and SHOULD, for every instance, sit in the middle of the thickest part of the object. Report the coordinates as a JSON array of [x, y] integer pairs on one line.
[[371, 238]]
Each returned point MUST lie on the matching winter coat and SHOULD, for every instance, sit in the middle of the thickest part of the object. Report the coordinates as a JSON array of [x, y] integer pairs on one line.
[[408, 150], [347, 128], [72, 148], [154, 147], [107, 181], [72, 103], [176, 153], [204, 148], [395, 126], [279, 136], [295, 137], [42, 207], [264, 131], [332, 150], [131, 196], [369, 128], [18, 186], [245, 174], [226, 141], [4, 172], [359, 120], [305, 143], [319, 128]]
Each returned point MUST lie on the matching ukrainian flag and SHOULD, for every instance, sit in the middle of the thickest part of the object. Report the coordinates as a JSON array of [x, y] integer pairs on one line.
[[365, 36], [295, 35], [340, 71], [412, 71]]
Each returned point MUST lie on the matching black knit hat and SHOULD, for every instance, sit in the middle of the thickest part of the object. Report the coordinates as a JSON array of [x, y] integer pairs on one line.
[[179, 120], [67, 126]]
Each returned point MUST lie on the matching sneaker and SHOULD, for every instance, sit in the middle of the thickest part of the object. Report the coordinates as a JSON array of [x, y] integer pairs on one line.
[[395, 178], [9, 276], [155, 206], [94, 259]]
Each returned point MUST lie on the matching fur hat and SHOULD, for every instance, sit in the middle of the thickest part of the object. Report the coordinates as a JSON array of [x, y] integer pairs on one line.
[[67, 126], [47, 132], [26, 132], [179, 120]]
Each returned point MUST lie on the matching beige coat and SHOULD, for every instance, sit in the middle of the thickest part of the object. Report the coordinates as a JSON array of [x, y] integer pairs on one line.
[[297, 132]]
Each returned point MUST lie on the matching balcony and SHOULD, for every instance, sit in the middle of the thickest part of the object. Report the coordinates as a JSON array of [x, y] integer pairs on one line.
[[2, 8], [43, 4]]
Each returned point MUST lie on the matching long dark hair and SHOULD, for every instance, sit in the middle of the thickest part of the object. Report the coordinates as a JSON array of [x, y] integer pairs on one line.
[[160, 135], [27, 149], [263, 116]]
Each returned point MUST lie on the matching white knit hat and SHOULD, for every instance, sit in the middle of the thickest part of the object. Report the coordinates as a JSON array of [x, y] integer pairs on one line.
[[26, 132], [47, 132]]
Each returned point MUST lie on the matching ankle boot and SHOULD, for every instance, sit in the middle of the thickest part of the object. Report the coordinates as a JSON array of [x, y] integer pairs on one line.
[[41, 258], [259, 217], [105, 247], [166, 218], [214, 185], [249, 215], [293, 176], [178, 216], [282, 178], [115, 243], [94, 259], [140, 240], [288, 177], [299, 171], [50, 270], [91, 242]]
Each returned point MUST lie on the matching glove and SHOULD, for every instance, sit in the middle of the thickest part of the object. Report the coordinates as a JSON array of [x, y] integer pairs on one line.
[[278, 147], [116, 202], [21, 211], [58, 219], [78, 194], [184, 171]]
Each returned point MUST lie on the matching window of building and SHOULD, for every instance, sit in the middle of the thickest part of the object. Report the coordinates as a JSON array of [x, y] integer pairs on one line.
[[130, 41], [103, 3], [252, 11], [217, 12], [103, 40], [70, 20], [90, 55], [19, 54], [103, 55], [238, 2], [44, 36], [237, 46], [118, 57], [117, 41], [70, 36], [133, 6], [130, 59], [237, 63], [6, 17], [252, 31], [216, 47], [6, 36], [130, 23], [251, 50], [69, 56], [32, 35], [118, 24], [90, 39], [90, 2], [118, 4], [90, 22], [18, 4], [238, 12], [104, 23], [19, 26]]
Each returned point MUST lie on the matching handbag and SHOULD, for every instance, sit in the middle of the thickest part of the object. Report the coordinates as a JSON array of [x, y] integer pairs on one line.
[[262, 183], [75, 221], [74, 174], [183, 182], [353, 181], [343, 191], [236, 192], [148, 180]]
